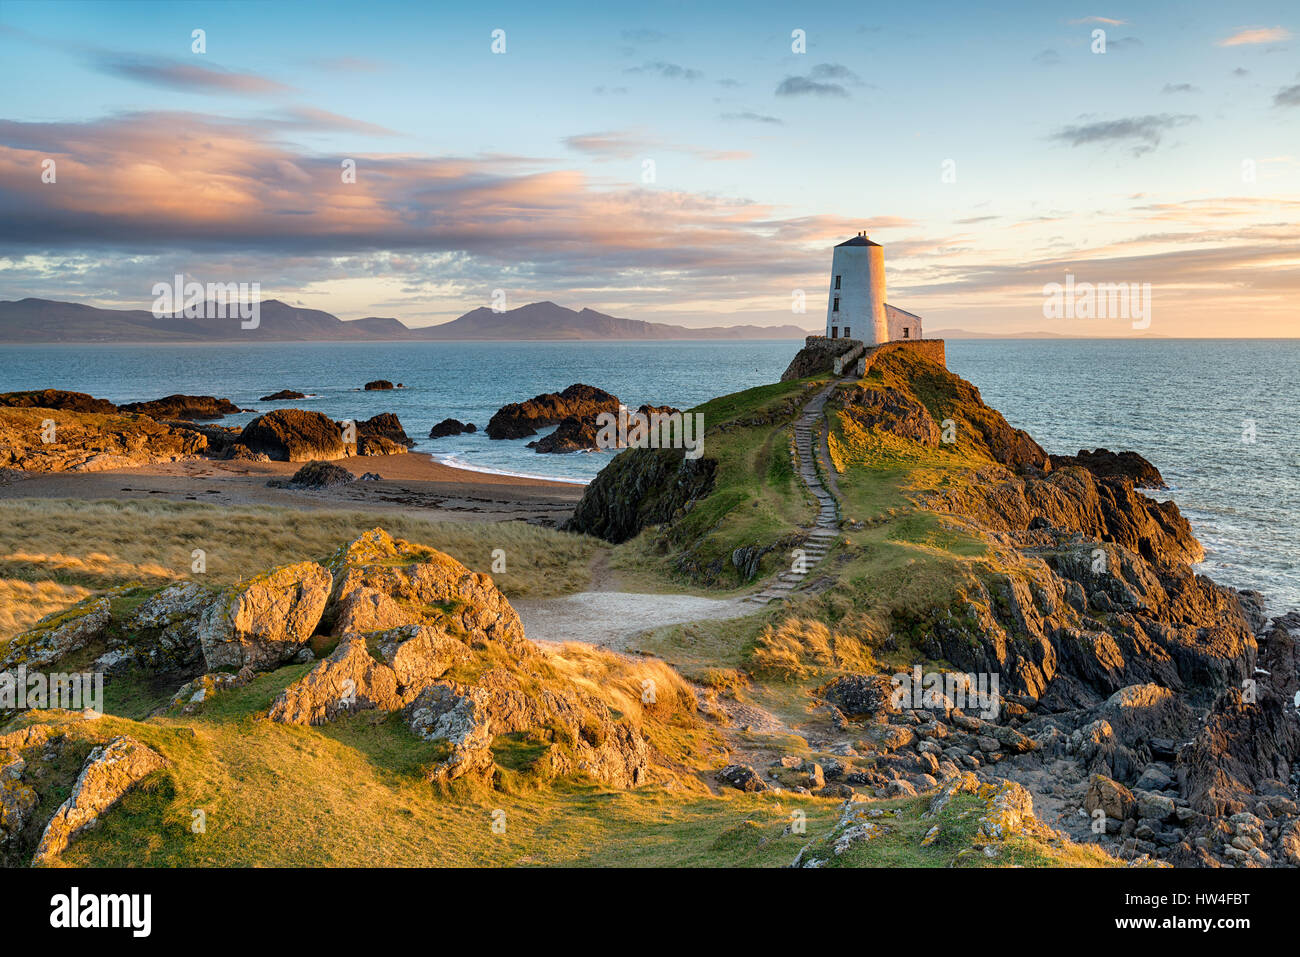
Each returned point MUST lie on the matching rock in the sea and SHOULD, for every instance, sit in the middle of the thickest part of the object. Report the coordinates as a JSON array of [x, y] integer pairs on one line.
[[282, 396], [316, 475], [574, 434], [184, 407], [451, 427], [109, 772], [56, 399], [1104, 464], [378, 385], [519, 420], [293, 435], [265, 621]]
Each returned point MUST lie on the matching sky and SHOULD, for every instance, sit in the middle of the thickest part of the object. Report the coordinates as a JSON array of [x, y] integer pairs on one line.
[[672, 162]]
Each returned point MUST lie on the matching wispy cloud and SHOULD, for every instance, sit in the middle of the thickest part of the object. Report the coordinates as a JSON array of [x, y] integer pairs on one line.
[[185, 76], [1047, 58], [1251, 35], [1106, 20], [824, 79], [1180, 88], [750, 117], [622, 144], [671, 71], [1287, 96], [1143, 131]]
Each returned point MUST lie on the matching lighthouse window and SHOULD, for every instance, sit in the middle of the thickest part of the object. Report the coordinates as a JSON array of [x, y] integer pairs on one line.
[[846, 332], [835, 306], [837, 282], [907, 332]]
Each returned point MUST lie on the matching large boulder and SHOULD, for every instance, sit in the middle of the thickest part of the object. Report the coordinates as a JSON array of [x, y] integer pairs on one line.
[[451, 427], [1105, 464], [641, 487], [293, 435], [519, 420], [381, 583], [316, 475], [109, 772], [58, 635], [266, 621]]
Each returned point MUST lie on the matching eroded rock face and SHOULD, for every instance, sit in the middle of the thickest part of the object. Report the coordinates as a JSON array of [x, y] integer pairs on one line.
[[519, 420], [641, 487], [264, 622], [88, 441], [861, 695], [893, 411], [385, 426], [184, 407], [56, 399], [292, 435], [1105, 464], [381, 583], [56, 636], [584, 736], [109, 772]]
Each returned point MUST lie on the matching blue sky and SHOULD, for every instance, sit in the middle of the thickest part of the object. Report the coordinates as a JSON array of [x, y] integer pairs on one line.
[[524, 170]]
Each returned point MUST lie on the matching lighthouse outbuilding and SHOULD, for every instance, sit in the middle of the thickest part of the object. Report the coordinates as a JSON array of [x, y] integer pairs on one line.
[[856, 307]]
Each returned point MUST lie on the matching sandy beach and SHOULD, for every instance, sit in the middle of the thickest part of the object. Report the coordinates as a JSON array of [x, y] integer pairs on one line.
[[412, 484]]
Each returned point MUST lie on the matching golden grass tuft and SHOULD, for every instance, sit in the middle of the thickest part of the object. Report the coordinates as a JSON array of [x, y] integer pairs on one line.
[[804, 647]]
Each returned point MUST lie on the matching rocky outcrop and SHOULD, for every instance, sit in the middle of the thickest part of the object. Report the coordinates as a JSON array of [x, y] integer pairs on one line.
[[381, 583], [379, 385], [316, 475], [451, 427], [519, 420], [893, 411], [57, 636], [817, 356], [641, 487], [265, 621], [385, 426], [573, 434], [184, 407], [292, 435], [109, 773], [1105, 464], [56, 399], [42, 440], [284, 395]]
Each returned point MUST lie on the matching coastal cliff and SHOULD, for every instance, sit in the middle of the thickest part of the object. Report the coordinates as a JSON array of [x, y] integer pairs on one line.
[[964, 548]]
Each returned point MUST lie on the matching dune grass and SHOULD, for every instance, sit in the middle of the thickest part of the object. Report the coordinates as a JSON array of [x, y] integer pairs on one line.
[[77, 546]]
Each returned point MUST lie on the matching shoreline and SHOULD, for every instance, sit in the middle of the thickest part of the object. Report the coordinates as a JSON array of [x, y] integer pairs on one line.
[[413, 483]]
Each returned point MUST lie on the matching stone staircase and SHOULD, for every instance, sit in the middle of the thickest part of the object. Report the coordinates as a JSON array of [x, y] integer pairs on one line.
[[807, 432]]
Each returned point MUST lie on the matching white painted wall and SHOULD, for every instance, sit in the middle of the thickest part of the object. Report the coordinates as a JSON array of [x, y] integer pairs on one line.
[[861, 294]]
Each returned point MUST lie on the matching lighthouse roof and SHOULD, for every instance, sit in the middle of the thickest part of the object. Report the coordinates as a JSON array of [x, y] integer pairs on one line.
[[859, 240]]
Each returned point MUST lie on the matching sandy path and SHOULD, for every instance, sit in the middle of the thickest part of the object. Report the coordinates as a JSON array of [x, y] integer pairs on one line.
[[610, 618]]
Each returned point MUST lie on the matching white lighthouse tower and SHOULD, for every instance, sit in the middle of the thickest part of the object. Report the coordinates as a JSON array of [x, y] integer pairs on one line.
[[856, 307]]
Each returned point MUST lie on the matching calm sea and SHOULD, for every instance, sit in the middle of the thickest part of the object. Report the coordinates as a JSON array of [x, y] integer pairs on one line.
[[1217, 418]]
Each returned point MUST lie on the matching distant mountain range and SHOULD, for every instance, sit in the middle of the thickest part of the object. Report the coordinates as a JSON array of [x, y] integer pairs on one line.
[[46, 320]]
